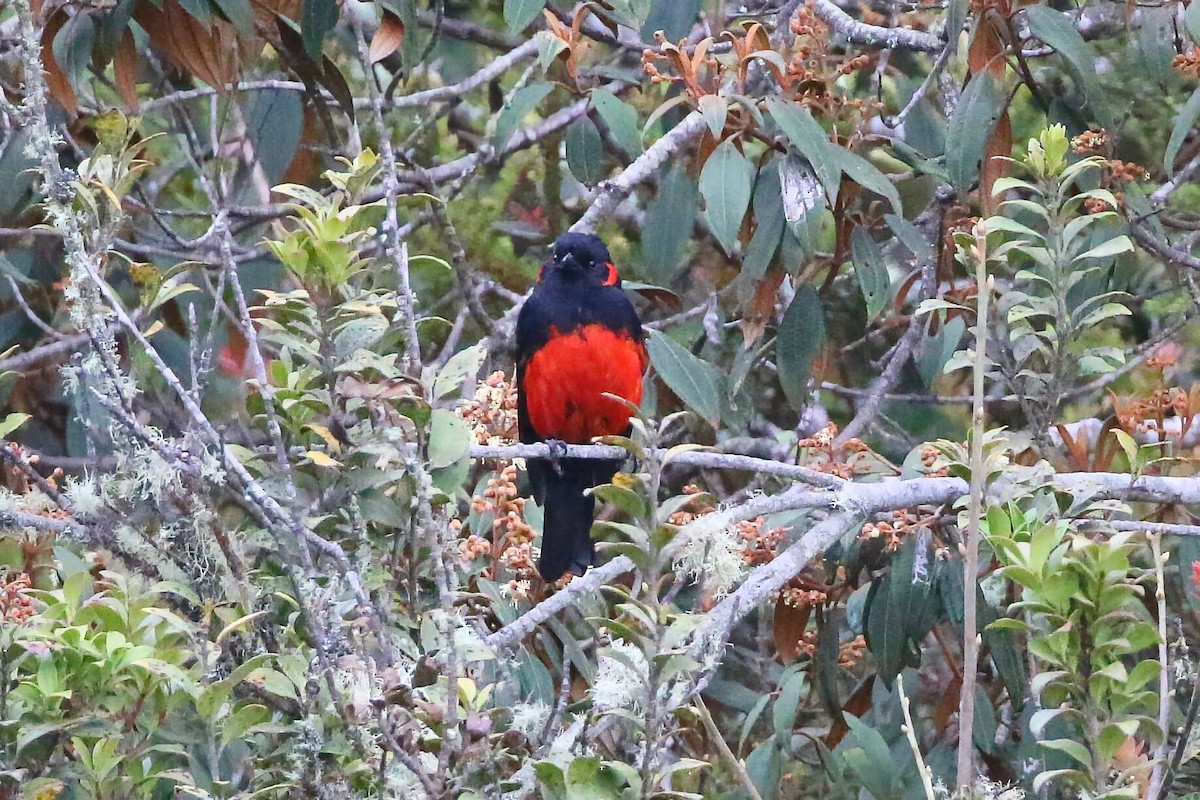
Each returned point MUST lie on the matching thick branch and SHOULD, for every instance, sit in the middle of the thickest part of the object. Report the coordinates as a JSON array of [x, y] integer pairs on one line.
[[528, 622], [711, 636], [874, 35], [854, 503], [644, 167]]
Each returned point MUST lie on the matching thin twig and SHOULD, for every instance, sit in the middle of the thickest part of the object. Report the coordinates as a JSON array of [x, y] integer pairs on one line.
[[1164, 686], [1181, 743], [715, 735], [911, 732], [900, 355], [966, 704]]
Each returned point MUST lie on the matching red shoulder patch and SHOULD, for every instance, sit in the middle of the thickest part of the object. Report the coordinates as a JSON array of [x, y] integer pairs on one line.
[[612, 277]]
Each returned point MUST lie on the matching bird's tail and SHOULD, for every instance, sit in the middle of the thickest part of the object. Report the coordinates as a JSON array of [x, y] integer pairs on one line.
[[566, 534]]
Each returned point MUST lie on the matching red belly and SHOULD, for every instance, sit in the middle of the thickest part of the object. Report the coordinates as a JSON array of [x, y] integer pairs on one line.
[[565, 382]]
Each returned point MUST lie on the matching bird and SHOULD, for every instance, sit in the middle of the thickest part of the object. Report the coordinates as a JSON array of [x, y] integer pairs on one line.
[[578, 338]]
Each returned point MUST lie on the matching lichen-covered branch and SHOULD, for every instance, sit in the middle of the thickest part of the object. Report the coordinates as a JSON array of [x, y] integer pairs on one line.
[[874, 35]]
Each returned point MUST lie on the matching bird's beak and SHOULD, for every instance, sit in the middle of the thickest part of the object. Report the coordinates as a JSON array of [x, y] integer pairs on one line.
[[569, 263]]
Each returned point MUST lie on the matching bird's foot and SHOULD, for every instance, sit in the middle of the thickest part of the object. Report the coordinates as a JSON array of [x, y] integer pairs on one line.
[[558, 450]]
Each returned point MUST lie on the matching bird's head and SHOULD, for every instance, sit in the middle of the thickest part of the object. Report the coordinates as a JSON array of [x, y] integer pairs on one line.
[[581, 256]]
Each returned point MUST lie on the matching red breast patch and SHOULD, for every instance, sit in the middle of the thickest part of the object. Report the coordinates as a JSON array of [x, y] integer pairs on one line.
[[565, 382]]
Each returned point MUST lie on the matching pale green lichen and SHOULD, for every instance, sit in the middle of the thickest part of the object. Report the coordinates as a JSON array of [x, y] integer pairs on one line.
[[84, 495], [712, 553], [621, 677]]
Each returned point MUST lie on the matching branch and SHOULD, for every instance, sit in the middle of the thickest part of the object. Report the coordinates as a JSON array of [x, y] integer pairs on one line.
[[691, 458], [514, 632], [718, 738], [891, 374], [875, 35], [970, 548], [1165, 696], [855, 503], [454, 91], [1159, 528], [22, 519], [644, 167], [1163, 250], [710, 638]]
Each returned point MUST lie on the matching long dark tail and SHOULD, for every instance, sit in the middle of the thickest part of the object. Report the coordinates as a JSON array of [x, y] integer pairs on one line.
[[566, 535]]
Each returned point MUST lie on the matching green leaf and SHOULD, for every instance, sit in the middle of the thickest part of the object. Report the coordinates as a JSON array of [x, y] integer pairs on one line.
[[810, 139], [765, 768], [673, 17], [783, 713], [274, 123], [240, 14], [910, 236], [1107, 249], [1058, 31], [1191, 21], [968, 129], [1043, 717], [726, 183], [935, 351], [751, 718], [800, 337], [696, 382], [871, 272], [1186, 119], [630, 13], [462, 365], [1072, 748], [621, 119], [519, 13], [449, 438], [626, 500], [1066, 775], [72, 48], [318, 19], [199, 9], [769, 222], [585, 150], [715, 110], [866, 175], [12, 422], [895, 609], [523, 101], [668, 227], [867, 755], [240, 721], [827, 159], [554, 782]]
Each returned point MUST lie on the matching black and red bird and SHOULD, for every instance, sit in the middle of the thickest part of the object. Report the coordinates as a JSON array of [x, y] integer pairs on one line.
[[578, 338]]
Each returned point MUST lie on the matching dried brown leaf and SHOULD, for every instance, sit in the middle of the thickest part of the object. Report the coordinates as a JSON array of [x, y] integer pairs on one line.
[[387, 39], [125, 64]]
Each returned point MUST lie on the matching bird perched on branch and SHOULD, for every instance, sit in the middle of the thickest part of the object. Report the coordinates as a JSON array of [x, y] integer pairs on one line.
[[578, 338]]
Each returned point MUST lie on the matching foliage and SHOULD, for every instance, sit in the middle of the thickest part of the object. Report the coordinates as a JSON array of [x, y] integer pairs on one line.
[[261, 531]]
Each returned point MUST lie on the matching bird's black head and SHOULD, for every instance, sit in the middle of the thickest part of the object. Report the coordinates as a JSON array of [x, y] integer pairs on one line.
[[581, 256]]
